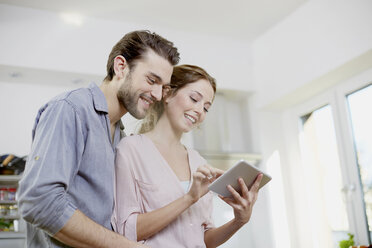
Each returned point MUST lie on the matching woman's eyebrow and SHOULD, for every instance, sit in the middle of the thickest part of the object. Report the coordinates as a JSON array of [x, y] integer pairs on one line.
[[200, 94]]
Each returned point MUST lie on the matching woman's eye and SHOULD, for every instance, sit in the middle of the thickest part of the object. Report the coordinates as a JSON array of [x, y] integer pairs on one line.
[[206, 110], [193, 99]]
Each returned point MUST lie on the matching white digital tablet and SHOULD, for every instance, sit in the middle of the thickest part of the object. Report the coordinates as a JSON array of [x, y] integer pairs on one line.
[[241, 169]]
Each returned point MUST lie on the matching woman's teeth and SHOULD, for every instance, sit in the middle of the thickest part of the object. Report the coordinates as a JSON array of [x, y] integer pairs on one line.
[[190, 118]]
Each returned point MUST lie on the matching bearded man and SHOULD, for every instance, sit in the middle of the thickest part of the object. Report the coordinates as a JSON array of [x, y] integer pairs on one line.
[[66, 193]]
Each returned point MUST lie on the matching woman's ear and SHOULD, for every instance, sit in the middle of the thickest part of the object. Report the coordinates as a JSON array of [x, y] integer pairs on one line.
[[119, 66], [166, 93]]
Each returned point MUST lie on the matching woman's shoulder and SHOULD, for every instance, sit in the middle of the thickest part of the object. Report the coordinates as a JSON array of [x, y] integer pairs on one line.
[[133, 140], [195, 155]]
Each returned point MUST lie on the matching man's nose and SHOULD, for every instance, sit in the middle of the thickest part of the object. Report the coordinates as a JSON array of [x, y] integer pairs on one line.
[[157, 92]]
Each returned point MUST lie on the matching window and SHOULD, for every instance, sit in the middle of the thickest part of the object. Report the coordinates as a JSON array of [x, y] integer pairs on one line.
[[329, 157]]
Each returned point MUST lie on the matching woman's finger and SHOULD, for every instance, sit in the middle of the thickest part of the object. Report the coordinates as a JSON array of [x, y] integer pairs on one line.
[[205, 171], [256, 184], [235, 195], [217, 172], [229, 201], [243, 188], [198, 176]]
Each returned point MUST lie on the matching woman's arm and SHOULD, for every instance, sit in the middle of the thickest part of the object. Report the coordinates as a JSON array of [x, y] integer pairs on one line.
[[150, 223], [242, 205]]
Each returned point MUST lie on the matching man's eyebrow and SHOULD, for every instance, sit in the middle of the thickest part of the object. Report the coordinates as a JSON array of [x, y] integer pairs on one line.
[[158, 78]]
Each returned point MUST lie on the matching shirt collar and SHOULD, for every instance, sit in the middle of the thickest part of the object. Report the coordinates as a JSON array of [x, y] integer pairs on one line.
[[99, 99]]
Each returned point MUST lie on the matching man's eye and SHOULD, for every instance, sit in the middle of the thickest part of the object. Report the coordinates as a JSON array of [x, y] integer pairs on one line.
[[206, 110], [151, 81]]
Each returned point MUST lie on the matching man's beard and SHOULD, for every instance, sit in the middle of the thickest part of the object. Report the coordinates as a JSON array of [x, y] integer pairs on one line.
[[129, 99]]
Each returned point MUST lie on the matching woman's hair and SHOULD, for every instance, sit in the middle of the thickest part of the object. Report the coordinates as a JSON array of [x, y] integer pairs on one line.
[[181, 76]]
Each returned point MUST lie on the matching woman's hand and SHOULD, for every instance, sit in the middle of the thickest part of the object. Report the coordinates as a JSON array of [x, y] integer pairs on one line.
[[243, 203], [201, 178]]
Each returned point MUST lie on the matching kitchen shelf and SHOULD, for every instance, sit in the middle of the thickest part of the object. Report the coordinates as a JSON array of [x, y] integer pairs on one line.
[[9, 217], [12, 235], [10, 178], [8, 202]]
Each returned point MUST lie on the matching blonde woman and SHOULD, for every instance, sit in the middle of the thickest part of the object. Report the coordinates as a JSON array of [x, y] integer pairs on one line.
[[161, 193]]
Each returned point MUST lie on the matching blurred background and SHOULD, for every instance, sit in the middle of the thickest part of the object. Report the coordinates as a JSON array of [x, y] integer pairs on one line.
[[294, 98]]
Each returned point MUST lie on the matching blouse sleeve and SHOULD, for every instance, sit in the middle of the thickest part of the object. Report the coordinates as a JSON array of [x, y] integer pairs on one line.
[[207, 200], [127, 206], [208, 220]]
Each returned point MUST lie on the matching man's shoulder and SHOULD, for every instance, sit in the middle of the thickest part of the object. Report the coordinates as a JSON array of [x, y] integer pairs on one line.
[[75, 97], [79, 98]]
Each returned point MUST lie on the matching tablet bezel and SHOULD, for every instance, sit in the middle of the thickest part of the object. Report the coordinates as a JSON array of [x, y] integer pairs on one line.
[[241, 169]]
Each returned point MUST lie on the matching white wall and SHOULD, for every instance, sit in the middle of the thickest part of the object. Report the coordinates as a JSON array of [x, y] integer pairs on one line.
[[19, 106], [317, 38]]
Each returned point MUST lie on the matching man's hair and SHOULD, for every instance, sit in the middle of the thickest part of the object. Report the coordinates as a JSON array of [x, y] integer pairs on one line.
[[134, 45]]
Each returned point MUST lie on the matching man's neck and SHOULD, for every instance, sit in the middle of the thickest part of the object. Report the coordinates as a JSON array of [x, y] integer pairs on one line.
[[115, 109]]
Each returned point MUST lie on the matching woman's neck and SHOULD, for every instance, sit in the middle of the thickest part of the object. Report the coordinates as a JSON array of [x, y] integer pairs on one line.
[[165, 134]]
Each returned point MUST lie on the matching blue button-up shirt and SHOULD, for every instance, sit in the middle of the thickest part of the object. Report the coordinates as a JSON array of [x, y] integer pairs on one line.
[[71, 165]]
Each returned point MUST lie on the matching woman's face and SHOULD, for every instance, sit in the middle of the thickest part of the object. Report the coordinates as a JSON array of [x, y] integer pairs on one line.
[[188, 107]]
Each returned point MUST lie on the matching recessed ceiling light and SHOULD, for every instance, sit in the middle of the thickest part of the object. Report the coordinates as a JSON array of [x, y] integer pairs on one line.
[[77, 81], [15, 74], [72, 18]]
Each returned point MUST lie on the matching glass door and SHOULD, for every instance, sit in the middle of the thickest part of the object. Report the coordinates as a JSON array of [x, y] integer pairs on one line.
[[327, 217], [360, 111]]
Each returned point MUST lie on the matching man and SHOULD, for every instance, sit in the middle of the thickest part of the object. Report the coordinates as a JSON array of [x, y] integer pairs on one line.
[[66, 193]]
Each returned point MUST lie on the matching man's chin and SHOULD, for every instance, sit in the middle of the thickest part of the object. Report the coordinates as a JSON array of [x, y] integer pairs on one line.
[[139, 114]]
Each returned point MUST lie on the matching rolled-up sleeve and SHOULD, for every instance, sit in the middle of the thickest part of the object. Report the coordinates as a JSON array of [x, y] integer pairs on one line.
[[127, 206], [58, 144]]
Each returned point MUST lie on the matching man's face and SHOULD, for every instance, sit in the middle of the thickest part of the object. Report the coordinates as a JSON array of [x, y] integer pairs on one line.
[[143, 85]]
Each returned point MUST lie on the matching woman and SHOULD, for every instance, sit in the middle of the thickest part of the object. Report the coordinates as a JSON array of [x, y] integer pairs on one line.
[[155, 202]]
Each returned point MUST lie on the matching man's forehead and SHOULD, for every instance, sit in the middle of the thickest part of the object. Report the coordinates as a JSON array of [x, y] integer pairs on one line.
[[155, 66]]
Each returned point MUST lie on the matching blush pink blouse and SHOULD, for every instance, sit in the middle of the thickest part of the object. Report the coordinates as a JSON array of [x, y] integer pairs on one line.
[[145, 182]]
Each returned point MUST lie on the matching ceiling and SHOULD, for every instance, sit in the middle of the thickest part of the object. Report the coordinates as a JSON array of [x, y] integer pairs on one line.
[[238, 19]]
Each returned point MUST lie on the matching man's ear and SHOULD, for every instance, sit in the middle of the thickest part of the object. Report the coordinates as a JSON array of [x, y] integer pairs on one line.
[[119, 65]]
